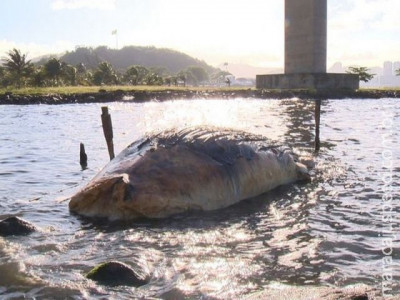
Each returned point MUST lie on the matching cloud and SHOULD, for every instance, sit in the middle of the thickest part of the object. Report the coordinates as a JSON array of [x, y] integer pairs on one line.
[[365, 15], [78, 4], [217, 31], [34, 50], [363, 32]]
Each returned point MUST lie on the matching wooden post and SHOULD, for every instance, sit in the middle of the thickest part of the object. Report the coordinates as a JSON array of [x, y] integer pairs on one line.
[[317, 123], [83, 156], [108, 131]]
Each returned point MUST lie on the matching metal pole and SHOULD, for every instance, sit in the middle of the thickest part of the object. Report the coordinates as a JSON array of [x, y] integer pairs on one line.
[[317, 123]]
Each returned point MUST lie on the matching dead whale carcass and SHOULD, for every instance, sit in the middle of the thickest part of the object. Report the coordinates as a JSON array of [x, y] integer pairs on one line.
[[192, 169]]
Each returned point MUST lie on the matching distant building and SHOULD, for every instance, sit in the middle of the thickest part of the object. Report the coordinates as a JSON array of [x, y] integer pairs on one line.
[[385, 77], [387, 68], [396, 66]]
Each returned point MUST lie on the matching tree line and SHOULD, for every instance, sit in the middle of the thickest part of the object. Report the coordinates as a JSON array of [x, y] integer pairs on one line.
[[18, 71], [364, 73]]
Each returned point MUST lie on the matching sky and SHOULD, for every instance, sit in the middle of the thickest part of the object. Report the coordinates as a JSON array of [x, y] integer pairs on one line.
[[360, 32]]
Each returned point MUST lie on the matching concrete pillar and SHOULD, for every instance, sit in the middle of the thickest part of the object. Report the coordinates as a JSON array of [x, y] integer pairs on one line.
[[305, 51], [305, 36]]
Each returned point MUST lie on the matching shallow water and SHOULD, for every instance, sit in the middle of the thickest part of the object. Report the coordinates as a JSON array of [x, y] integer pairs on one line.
[[331, 231]]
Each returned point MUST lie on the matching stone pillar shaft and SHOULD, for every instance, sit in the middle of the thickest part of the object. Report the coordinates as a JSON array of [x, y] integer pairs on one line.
[[305, 36]]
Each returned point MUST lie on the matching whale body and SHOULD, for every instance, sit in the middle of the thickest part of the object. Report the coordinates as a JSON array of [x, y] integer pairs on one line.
[[174, 171]]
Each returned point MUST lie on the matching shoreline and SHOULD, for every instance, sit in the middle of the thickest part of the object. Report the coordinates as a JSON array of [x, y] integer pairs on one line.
[[167, 94]]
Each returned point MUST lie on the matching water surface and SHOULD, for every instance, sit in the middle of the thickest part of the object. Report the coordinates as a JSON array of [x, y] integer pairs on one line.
[[328, 232]]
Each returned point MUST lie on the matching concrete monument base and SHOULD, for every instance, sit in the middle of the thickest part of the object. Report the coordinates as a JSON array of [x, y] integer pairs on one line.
[[319, 81]]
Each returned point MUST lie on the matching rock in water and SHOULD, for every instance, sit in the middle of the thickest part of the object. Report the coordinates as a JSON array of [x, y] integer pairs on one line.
[[116, 273], [15, 226], [192, 169]]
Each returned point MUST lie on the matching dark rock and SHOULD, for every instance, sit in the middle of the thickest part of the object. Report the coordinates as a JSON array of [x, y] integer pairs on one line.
[[15, 226], [115, 273], [360, 297]]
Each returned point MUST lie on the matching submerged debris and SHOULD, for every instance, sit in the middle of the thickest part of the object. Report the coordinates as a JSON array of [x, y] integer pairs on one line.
[[15, 226]]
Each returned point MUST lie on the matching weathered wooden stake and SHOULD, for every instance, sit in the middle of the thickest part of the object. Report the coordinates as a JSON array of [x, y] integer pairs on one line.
[[83, 156], [317, 122], [108, 131]]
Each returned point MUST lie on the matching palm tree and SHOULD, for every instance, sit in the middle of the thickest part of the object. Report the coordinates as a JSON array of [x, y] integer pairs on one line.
[[104, 74], [362, 72], [82, 74], [154, 79], [131, 75], [81, 68], [3, 80], [142, 73], [18, 66], [69, 74], [53, 69], [38, 77]]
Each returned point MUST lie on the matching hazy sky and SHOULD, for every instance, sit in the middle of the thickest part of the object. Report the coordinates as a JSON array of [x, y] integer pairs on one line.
[[363, 32]]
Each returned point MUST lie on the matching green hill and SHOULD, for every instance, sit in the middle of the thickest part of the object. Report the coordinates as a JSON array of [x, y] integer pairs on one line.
[[123, 58]]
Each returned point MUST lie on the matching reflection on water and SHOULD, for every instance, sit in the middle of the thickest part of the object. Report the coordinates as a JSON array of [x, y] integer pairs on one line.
[[325, 232]]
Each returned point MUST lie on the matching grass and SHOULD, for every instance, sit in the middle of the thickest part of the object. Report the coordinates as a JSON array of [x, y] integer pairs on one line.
[[66, 90], [396, 88]]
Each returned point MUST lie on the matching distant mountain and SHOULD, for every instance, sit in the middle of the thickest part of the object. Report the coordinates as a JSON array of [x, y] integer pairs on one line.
[[123, 58], [337, 68], [248, 71], [43, 58]]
